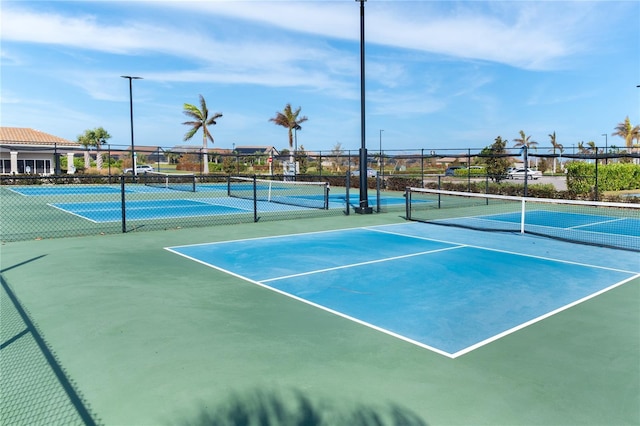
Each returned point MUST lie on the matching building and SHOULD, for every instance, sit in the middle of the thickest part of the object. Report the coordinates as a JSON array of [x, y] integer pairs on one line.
[[256, 150], [26, 151]]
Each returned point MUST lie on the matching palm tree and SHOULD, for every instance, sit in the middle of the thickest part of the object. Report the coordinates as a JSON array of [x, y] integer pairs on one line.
[[628, 132], [93, 138], [201, 120], [525, 141], [593, 148], [289, 119], [555, 146], [582, 149]]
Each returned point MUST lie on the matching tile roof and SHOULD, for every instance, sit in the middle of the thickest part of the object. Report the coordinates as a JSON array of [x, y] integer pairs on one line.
[[25, 136]]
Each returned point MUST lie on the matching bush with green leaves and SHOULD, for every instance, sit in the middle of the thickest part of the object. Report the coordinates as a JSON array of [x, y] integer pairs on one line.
[[581, 177]]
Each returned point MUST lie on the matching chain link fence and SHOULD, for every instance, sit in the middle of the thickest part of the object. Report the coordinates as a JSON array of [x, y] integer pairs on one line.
[[36, 207], [73, 197]]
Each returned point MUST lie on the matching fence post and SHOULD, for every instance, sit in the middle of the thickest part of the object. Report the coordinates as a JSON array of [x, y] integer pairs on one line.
[[595, 190], [123, 208], [255, 199]]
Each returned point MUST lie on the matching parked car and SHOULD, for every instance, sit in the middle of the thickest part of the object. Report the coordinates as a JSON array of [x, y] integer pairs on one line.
[[519, 173], [451, 171], [370, 173], [140, 169]]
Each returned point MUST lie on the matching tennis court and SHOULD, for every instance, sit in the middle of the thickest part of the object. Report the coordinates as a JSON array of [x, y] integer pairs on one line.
[[166, 205], [464, 302], [360, 319], [609, 224]]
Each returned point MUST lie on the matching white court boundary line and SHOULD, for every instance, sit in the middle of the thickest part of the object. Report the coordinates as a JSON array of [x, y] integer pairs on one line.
[[634, 275], [369, 262], [316, 305]]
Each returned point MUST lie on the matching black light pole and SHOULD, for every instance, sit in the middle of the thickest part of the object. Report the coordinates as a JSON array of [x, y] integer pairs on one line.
[[133, 153], [364, 199], [606, 146]]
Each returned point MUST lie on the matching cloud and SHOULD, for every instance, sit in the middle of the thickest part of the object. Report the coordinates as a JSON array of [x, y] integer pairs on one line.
[[519, 34], [208, 55]]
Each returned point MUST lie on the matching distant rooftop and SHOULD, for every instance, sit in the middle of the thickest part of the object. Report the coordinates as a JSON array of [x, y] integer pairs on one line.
[[26, 136]]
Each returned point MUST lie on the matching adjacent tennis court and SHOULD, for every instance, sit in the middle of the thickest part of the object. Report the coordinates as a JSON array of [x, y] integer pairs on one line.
[[111, 211], [172, 200], [615, 225]]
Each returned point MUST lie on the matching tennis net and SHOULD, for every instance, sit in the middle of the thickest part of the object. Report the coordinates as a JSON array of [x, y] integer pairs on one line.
[[301, 194], [178, 182], [615, 225]]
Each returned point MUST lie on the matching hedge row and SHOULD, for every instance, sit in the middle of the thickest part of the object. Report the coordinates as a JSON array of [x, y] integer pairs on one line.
[[581, 177]]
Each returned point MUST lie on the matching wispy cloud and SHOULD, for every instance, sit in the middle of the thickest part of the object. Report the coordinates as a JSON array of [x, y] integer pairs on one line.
[[530, 37], [525, 35]]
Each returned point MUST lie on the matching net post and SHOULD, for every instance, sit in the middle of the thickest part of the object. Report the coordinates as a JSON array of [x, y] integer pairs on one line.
[[348, 185], [228, 185], [377, 194], [486, 186], [407, 201], [326, 196], [522, 214], [122, 203], [526, 170], [194, 183], [255, 199]]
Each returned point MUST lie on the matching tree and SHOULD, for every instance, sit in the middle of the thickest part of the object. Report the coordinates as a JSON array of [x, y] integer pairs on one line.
[[93, 138], [496, 161], [201, 120], [627, 132], [555, 146], [303, 159], [525, 141], [337, 152], [289, 119], [582, 149]]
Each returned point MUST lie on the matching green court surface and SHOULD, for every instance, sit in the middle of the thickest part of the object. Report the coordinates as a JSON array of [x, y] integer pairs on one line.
[[116, 330]]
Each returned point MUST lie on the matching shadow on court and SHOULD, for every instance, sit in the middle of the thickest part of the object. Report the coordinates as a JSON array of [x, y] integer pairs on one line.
[[294, 408], [35, 388]]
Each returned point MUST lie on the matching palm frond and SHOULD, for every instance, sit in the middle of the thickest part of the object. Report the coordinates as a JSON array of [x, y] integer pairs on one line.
[[191, 132], [212, 121], [192, 111], [203, 108]]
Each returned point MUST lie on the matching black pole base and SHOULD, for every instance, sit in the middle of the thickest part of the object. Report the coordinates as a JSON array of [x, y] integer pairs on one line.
[[364, 210]]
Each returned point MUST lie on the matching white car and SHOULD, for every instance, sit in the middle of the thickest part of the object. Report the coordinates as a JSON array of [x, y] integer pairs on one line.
[[140, 169], [370, 173], [520, 172]]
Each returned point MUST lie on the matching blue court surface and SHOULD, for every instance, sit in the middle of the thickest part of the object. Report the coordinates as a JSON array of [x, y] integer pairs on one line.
[[337, 197], [111, 211], [34, 191], [445, 296], [583, 222]]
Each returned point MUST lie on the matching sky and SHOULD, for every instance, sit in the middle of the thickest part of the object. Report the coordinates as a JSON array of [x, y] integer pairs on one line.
[[438, 74]]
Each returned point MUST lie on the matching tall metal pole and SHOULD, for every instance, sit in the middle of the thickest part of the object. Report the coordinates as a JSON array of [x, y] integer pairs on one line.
[[133, 152], [364, 198], [606, 146]]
